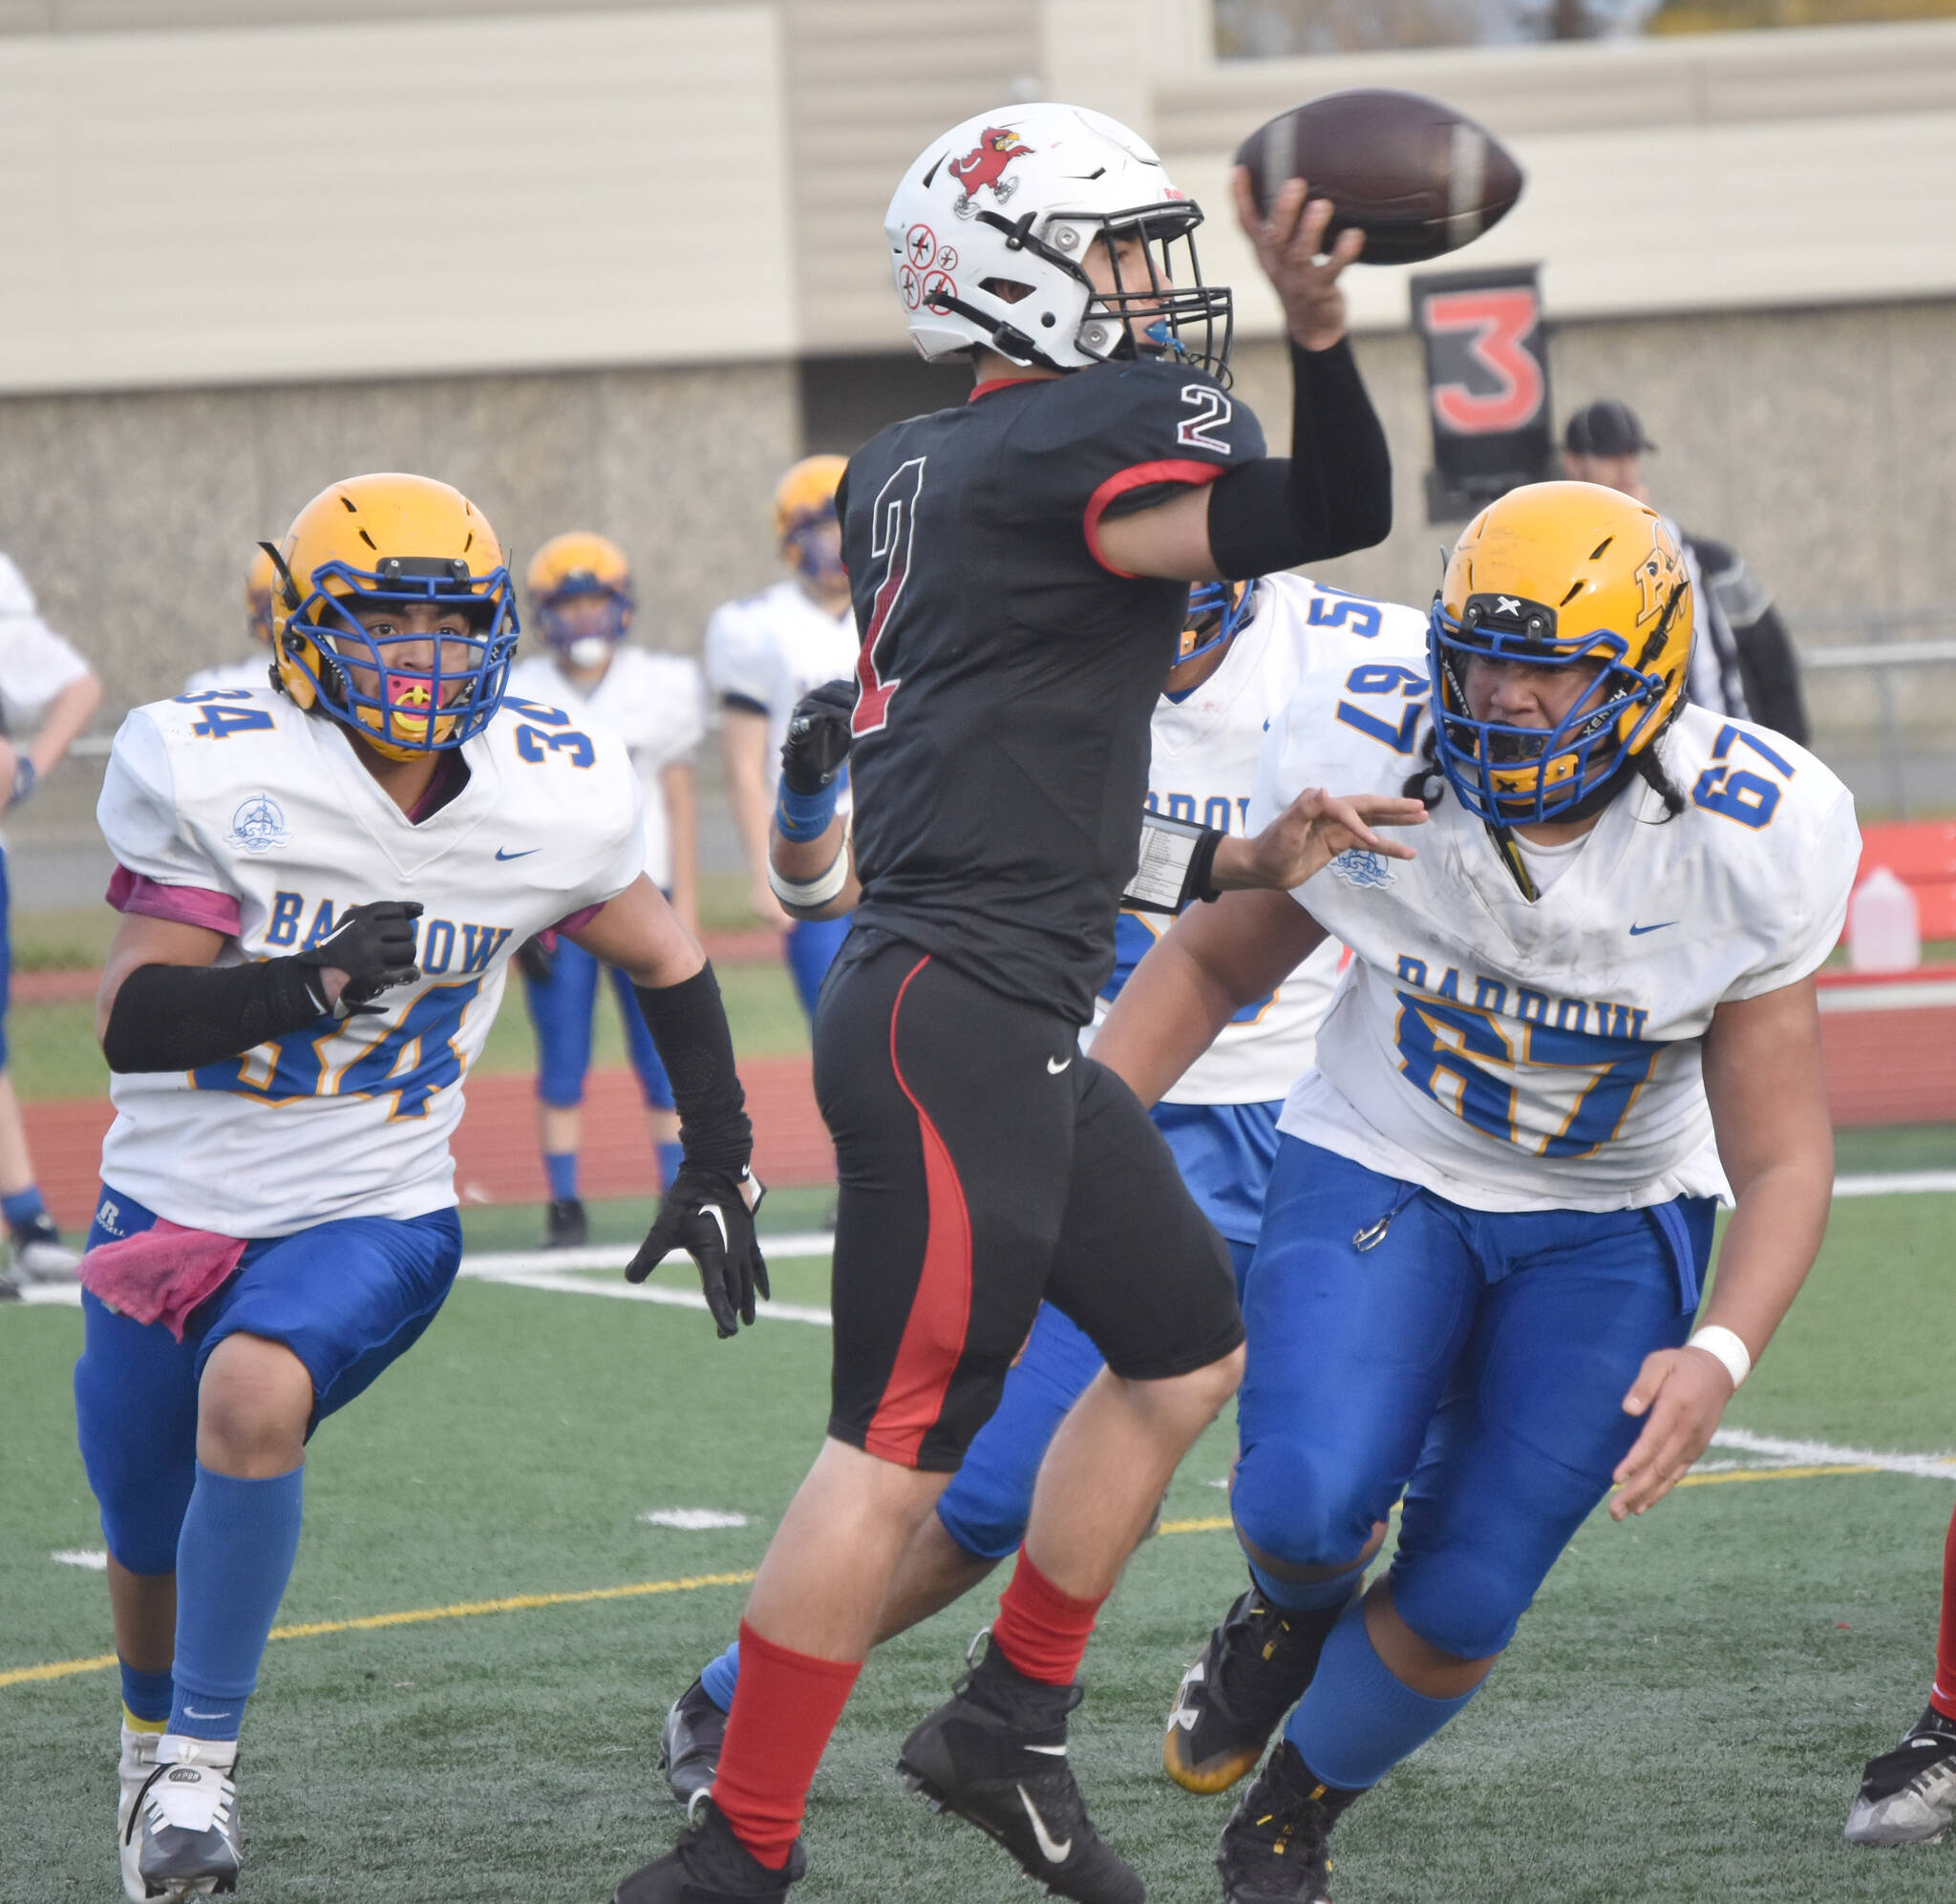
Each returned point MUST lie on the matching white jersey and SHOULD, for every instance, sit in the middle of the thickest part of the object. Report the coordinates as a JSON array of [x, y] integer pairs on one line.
[[255, 672], [1519, 1055], [774, 647], [268, 809], [1204, 768], [654, 703]]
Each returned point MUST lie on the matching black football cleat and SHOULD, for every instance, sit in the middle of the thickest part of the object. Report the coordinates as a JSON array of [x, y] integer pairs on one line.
[[995, 1756], [709, 1866], [1275, 1847], [1908, 1796], [565, 1224], [1251, 1673], [690, 1745]]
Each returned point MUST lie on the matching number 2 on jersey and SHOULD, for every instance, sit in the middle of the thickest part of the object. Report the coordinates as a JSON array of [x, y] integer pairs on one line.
[[893, 531]]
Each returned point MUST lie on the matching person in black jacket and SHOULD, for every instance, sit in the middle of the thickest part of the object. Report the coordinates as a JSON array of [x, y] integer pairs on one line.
[[1745, 660]]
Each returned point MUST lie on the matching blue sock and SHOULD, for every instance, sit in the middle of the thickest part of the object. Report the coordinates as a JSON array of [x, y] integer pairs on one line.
[[561, 1168], [720, 1677], [147, 1696], [24, 1208], [233, 1559], [1307, 1595], [671, 1156], [1357, 1720]]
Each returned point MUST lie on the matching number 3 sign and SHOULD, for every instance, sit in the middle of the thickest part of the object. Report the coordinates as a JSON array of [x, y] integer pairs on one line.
[[1487, 385]]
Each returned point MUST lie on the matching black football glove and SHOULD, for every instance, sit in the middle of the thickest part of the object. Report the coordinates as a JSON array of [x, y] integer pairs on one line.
[[374, 945], [818, 742], [705, 1213]]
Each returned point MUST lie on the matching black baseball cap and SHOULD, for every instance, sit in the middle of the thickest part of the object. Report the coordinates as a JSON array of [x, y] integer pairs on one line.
[[1607, 428]]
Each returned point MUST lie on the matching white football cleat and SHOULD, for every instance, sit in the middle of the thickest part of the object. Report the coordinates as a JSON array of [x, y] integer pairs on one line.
[[138, 1761], [1908, 1796], [43, 1259], [183, 1826]]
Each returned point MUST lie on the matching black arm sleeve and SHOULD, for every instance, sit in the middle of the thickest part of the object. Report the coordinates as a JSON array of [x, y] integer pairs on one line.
[[1331, 495], [688, 1026], [174, 1018]]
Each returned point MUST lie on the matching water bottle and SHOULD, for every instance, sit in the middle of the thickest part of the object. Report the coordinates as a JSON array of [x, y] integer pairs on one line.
[[1883, 925]]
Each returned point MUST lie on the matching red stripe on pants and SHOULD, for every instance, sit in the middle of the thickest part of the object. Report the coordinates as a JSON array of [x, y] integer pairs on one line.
[[1944, 1695], [941, 1310]]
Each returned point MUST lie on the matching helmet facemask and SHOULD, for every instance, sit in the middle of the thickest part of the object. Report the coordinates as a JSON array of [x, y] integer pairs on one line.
[[402, 711], [584, 618], [1216, 612], [811, 546], [1511, 775], [1152, 310]]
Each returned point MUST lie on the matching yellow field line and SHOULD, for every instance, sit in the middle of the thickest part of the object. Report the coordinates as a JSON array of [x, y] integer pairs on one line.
[[373, 1622], [62, 1669], [1778, 1474]]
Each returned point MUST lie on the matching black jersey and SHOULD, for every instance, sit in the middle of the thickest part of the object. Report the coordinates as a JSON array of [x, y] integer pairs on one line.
[[1009, 674]]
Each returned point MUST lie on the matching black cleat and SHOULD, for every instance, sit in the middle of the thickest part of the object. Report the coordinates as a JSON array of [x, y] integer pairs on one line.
[[1908, 1796], [995, 1756], [709, 1866], [565, 1224], [1275, 1847], [1251, 1673], [690, 1745]]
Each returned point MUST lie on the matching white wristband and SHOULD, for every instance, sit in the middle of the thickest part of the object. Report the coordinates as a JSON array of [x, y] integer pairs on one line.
[[816, 892], [1729, 1349]]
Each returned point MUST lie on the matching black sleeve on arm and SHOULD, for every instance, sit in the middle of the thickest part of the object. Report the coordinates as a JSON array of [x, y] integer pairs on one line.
[[1331, 495], [174, 1018], [688, 1027]]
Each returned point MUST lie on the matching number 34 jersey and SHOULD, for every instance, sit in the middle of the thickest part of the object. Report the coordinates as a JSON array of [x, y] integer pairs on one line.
[[1528, 1055], [268, 826]]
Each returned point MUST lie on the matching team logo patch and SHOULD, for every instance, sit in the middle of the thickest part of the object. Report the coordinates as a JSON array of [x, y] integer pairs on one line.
[[1359, 867], [258, 825], [984, 165]]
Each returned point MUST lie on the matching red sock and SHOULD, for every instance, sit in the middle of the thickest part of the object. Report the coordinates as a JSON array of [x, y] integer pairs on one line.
[[1040, 1630], [1942, 1695], [785, 1705]]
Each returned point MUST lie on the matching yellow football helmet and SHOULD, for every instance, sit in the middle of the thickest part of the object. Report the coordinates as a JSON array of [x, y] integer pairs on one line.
[[1558, 575], [260, 580], [805, 509], [394, 542], [581, 595]]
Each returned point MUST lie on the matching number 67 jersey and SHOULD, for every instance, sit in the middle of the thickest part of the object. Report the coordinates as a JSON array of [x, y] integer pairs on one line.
[[235, 811], [1511, 1054]]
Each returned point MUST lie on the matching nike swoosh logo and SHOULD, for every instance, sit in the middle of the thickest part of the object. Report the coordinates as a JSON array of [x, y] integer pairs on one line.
[[1057, 1065], [191, 1712], [1050, 1751], [1052, 1853], [713, 1210], [504, 853], [1638, 931]]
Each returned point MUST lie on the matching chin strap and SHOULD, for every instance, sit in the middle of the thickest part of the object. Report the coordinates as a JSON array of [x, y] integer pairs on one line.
[[1510, 851]]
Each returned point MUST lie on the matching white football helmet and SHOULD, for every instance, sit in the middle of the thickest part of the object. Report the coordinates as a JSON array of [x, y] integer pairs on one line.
[[988, 229]]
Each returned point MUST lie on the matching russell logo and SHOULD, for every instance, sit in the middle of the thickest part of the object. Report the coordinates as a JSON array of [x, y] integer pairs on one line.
[[259, 824], [984, 165]]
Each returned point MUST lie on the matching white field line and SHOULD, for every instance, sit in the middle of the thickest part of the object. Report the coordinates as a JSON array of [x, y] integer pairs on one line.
[[637, 1292], [1902, 1183], [1824, 1454]]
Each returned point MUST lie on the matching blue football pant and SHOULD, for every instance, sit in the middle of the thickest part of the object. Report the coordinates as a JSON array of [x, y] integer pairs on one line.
[[1475, 1363], [810, 946], [561, 1009]]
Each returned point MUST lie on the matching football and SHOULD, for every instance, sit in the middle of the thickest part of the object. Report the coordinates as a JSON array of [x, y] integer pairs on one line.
[[1416, 176]]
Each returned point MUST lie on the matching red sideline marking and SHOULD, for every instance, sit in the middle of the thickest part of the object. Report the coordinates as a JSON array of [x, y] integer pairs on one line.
[[496, 1149], [941, 1311], [1854, 980], [52, 987], [1890, 1067]]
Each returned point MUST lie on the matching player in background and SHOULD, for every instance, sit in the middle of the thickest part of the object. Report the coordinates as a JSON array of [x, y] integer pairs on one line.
[[1021, 566], [43, 680], [318, 911], [254, 670], [1582, 1016], [1908, 1796], [581, 603], [1243, 650], [763, 653]]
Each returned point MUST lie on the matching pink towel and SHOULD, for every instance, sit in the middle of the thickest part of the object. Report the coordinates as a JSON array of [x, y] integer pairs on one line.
[[162, 1274]]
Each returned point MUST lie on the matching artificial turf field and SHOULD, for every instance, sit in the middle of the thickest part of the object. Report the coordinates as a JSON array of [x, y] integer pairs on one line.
[[1682, 1716]]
